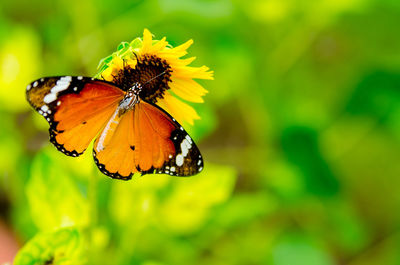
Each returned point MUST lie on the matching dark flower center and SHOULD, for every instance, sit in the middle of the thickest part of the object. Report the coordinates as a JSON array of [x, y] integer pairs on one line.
[[151, 72]]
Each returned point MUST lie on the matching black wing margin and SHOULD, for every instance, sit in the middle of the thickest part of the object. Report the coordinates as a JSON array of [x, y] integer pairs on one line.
[[187, 160]]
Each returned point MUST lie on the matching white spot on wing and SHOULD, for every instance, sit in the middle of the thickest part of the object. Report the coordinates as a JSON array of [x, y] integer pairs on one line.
[[188, 138], [28, 87], [184, 148], [49, 98], [179, 160], [62, 84], [59, 87], [35, 84], [65, 79], [45, 108]]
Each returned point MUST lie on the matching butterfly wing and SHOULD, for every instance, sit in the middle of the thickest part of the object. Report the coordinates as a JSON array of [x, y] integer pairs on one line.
[[75, 107], [145, 139]]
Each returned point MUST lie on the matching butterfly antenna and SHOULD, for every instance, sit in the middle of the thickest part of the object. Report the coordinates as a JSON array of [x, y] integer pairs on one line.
[[137, 62], [151, 79], [124, 63], [148, 81], [137, 59]]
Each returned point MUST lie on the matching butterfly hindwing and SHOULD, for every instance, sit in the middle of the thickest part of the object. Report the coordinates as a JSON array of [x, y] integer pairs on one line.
[[185, 160], [145, 139], [75, 107], [114, 146]]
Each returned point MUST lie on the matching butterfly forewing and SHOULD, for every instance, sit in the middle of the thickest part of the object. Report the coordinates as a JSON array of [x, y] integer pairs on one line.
[[75, 107]]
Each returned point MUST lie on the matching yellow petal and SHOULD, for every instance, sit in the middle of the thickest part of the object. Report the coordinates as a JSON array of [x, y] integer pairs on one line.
[[184, 90], [184, 94], [170, 110], [183, 47], [180, 63], [177, 109], [187, 61], [167, 54], [107, 74], [194, 86], [193, 72], [147, 40], [118, 62], [131, 63], [176, 52], [161, 44]]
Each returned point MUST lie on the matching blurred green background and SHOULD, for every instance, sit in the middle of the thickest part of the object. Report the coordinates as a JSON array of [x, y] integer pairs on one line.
[[300, 132]]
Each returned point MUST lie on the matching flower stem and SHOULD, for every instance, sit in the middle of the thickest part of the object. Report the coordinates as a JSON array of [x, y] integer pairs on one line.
[[92, 196]]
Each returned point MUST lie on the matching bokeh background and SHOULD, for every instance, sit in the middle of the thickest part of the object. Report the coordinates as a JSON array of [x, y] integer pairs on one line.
[[300, 132]]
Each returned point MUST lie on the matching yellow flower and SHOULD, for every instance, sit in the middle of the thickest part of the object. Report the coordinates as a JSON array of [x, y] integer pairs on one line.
[[165, 77]]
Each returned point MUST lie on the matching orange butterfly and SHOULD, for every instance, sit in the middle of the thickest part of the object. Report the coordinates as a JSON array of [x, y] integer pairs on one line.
[[133, 135]]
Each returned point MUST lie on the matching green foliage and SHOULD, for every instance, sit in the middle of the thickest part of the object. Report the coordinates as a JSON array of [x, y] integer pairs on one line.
[[377, 95], [300, 132], [300, 145], [298, 250], [60, 247], [54, 198]]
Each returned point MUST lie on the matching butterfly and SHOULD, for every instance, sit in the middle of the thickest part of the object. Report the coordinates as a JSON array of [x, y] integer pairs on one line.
[[131, 135]]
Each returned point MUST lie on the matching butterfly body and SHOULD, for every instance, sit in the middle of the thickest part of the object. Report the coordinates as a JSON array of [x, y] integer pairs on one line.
[[132, 135]]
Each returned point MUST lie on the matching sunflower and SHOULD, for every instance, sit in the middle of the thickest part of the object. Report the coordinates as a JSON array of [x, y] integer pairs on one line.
[[165, 77]]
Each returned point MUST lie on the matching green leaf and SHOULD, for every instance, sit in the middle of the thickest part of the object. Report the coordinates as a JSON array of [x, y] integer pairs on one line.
[[301, 147], [122, 45], [122, 48], [299, 250], [136, 199], [136, 43], [257, 205], [53, 195], [377, 95], [181, 205], [188, 205], [103, 62], [60, 247]]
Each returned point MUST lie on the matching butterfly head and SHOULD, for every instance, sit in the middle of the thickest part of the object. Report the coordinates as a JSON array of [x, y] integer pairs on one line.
[[131, 97], [134, 90]]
